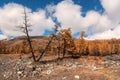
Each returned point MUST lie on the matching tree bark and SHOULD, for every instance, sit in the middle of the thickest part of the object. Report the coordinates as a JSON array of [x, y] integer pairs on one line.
[[27, 35]]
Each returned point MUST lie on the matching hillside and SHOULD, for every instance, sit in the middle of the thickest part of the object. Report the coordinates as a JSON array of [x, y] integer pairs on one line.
[[12, 67], [95, 62]]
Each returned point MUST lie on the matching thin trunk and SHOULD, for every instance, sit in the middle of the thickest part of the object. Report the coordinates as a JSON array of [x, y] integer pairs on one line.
[[30, 46], [59, 50], [27, 34], [64, 49], [40, 56]]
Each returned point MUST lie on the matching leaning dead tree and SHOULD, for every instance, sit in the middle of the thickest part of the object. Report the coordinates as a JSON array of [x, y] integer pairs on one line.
[[50, 41], [65, 43], [25, 29]]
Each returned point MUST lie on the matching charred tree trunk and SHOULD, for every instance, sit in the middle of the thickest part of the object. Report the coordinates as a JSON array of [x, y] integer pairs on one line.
[[27, 35], [64, 48], [25, 29], [50, 41], [45, 49]]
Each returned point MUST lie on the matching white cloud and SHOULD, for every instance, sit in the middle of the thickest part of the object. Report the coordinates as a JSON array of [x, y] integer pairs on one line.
[[108, 34], [96, 22], [104, 35], [112, 9], [11, 15], [110, 19], [68, 14], [2, 36], [40, 22]]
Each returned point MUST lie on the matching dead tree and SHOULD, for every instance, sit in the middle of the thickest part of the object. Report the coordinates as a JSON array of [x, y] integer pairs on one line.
[[50, 41], [26, 28]]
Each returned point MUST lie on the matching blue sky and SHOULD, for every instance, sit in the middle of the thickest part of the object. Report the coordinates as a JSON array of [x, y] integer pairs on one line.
[[36, 4], [96, 17]]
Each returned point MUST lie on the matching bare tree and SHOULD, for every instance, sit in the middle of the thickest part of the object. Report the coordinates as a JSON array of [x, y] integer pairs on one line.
[[50, 41], [26, 28]]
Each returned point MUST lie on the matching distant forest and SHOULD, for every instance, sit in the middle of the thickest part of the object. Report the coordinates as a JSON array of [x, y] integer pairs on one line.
[[61, 43]]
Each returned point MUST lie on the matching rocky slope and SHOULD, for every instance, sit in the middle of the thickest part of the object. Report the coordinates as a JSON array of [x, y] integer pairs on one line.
[[13, 67]]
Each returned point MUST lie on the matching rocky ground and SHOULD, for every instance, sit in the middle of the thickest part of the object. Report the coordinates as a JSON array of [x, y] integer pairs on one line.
[[12, 67]]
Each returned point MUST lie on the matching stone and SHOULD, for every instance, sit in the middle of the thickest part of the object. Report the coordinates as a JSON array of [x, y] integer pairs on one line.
[[20, 72], [76, 76], [7, 74], [28, 63], [49, 71], [64, 77]]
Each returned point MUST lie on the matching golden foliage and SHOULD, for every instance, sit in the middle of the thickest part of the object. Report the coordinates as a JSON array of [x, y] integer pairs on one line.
[[63, 43]]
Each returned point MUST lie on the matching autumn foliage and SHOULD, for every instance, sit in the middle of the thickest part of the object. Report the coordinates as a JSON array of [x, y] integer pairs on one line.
[[63, 44]]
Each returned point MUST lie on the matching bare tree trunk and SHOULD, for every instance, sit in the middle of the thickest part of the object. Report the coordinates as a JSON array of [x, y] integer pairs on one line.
[[26, 31], [40, 56], [50, 41], [64, 49], [59, 49], [30, 45]]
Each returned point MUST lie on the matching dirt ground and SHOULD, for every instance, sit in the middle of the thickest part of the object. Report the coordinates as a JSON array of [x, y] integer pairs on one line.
[[12, 67]]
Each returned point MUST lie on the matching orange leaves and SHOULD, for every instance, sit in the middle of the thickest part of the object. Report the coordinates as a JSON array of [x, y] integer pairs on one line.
[[98, 47], [63, 42], [2, 47]]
